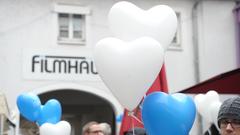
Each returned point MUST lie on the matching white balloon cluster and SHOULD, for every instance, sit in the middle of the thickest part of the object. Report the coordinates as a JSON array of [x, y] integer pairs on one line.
[[130, 62], [61, 128], [208, 106]]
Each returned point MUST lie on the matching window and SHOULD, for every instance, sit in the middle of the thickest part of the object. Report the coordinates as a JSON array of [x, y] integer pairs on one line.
[[71, 24], [71, 28], [176, 42]]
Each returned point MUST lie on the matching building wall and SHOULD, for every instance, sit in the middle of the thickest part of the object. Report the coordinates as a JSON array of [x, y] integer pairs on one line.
[[32, 24], [217, 38], [180, 62], [36, 28]]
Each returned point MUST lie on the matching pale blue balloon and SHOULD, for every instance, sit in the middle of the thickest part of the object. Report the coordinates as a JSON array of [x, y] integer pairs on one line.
[[119, 118], [165, 114], [29, 106], [51, 112]]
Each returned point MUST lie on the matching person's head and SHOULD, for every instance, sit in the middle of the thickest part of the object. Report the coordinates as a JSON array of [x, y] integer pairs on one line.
[[137, 131], [106, 128], [229, 117], [92, 128]]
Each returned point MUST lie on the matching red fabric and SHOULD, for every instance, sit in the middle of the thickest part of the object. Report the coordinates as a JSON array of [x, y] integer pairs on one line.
[[160, 84]]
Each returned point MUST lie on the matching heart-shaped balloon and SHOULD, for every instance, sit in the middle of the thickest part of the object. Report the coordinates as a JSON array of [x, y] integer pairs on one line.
[[165, 114], [60, 128], [51, 112], [203, 103], [214, 109], [128, 68], [128, 22], [29, 106]]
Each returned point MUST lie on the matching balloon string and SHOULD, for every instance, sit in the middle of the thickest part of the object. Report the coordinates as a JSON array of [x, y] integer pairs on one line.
[[133, 125], [133, 116]]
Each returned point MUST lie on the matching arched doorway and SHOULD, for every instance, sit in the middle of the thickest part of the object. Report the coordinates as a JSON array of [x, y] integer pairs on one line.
[[78, 108], [82, 107]]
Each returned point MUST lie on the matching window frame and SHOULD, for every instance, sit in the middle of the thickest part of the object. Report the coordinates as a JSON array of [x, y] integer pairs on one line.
[[71, 10], [177, 45]]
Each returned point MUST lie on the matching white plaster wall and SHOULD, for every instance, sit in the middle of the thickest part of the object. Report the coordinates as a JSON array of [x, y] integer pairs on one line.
[[217, 43], [180, 63], [29, 24], [32, 24], [24, 25]]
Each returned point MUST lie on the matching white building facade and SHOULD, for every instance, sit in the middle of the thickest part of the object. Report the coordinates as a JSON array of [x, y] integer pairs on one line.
[[46, 48]]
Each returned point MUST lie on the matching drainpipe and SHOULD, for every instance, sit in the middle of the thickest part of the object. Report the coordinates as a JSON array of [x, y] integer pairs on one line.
[[195, 32], [195, 40], [236, 12]]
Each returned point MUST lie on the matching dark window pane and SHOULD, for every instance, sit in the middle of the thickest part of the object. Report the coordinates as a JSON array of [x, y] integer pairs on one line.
[[63, 25], [77, 26], [77, 34], [63, 33]]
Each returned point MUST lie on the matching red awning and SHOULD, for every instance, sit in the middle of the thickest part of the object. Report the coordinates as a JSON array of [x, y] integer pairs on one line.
[[226, 83]]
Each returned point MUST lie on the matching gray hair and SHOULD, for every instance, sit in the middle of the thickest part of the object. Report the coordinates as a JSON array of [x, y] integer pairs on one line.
[[106, 128], [86, 127]]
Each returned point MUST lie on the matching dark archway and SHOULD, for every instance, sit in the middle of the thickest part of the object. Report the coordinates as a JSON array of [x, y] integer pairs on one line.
[[78, 108]]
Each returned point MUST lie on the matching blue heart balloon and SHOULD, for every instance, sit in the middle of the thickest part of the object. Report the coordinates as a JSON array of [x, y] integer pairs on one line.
[[51, 112], [165, 114], [29, 106]]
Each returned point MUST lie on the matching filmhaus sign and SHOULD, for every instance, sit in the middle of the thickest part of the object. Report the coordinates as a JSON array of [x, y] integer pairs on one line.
[[57, 66], [62, 65]]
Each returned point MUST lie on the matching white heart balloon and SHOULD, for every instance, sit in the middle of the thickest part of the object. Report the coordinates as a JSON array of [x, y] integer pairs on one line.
[[199, 101], [214, 109], [61, 128], [128, 68], [128, 22], [204, 105], [210, 97]]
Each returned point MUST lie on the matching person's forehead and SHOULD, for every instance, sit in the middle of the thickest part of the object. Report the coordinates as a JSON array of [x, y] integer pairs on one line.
[[95, 127], [229, 119]]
